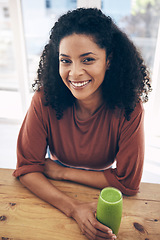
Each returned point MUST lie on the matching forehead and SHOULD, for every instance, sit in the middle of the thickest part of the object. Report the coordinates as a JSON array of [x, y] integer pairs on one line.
[[78, 43]]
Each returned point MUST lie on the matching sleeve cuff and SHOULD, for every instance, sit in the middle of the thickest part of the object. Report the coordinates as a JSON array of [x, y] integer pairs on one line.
[[27, 169], [114, 182]]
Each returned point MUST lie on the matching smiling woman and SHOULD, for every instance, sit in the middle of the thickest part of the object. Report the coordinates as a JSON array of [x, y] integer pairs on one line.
[[88, 109]]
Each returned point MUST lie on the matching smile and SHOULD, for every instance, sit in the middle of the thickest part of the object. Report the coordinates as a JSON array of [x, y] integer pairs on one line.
[[79, 84]]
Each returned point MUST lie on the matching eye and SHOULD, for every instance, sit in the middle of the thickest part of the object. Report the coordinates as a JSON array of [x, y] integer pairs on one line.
[[65, 61], [88, 60]]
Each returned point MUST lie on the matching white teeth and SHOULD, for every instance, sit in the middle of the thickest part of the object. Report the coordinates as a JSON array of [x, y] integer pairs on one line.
[[79, 84]]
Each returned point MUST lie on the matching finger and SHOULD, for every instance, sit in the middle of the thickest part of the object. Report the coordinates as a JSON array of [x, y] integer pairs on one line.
[[95, 232], [89, 230], [102, 227], [88, 236], [95, 237], [92, 229]]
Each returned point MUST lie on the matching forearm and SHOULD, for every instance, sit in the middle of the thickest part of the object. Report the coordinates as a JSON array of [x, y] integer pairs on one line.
[[90, 178], [44, 189]]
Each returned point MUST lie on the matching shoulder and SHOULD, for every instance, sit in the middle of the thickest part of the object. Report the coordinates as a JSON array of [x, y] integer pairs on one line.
[[38, 106], [118, 114], [38, 101], [136, 119], [138, 111], [38, 96], [139, 107]]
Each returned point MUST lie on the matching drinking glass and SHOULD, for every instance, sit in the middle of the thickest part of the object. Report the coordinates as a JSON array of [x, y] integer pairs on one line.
[[109, 208]]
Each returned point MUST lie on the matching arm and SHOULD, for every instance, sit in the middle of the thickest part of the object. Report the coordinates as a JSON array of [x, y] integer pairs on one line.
[[83, 213], [130, 156], [90, 178], [37, 183]]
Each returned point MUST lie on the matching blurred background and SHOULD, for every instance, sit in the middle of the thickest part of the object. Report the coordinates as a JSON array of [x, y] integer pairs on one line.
[[24, 30]]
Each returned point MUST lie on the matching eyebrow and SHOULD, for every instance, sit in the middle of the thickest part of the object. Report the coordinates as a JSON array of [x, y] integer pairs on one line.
[[82, 55]]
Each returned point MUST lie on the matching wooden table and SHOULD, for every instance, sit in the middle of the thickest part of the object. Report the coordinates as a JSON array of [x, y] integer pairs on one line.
[[23, 216]]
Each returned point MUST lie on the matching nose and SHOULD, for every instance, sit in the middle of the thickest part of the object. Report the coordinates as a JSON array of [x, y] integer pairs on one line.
[[76, 71]]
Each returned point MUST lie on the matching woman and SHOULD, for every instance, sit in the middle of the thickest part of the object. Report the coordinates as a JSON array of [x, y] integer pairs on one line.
[[88, 110]]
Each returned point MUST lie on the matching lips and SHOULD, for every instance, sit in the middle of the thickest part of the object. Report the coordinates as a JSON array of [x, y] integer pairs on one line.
[[80, 84]]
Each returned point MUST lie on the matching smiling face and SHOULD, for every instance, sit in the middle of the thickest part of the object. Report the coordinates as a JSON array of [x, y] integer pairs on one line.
[[82, 66]]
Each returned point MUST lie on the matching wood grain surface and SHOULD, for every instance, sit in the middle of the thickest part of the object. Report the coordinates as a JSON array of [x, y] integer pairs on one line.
[[23, 216]]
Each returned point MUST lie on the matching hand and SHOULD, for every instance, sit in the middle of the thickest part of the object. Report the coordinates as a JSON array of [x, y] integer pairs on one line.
[[53, 170], [84, 214]]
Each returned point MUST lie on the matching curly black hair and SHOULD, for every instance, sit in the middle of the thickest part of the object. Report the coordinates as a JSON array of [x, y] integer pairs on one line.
[[127, 80]]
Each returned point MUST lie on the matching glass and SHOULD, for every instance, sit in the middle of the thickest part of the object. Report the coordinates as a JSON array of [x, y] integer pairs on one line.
[[109, 208]]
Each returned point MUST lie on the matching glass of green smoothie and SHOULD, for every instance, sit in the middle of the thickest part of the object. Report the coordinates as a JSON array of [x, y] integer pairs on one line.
[[109, 208]]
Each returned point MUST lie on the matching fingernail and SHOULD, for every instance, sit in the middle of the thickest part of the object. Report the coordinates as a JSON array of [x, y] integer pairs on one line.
[[110, 232], [114, 237]]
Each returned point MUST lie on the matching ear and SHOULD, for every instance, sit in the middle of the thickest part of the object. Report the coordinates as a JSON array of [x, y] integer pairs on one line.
[[108, 62]]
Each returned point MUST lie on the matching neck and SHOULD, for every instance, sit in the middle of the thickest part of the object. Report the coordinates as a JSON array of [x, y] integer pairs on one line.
[[85, 109]]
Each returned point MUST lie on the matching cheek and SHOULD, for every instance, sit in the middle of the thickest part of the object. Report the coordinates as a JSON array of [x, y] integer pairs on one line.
[[100, 73]]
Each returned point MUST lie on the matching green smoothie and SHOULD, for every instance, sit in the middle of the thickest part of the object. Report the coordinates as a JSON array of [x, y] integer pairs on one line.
[[111, 195], [109, 208]]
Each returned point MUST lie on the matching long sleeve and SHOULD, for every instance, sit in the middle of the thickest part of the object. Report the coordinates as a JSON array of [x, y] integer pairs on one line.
[[32, 140], [130, 156]]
